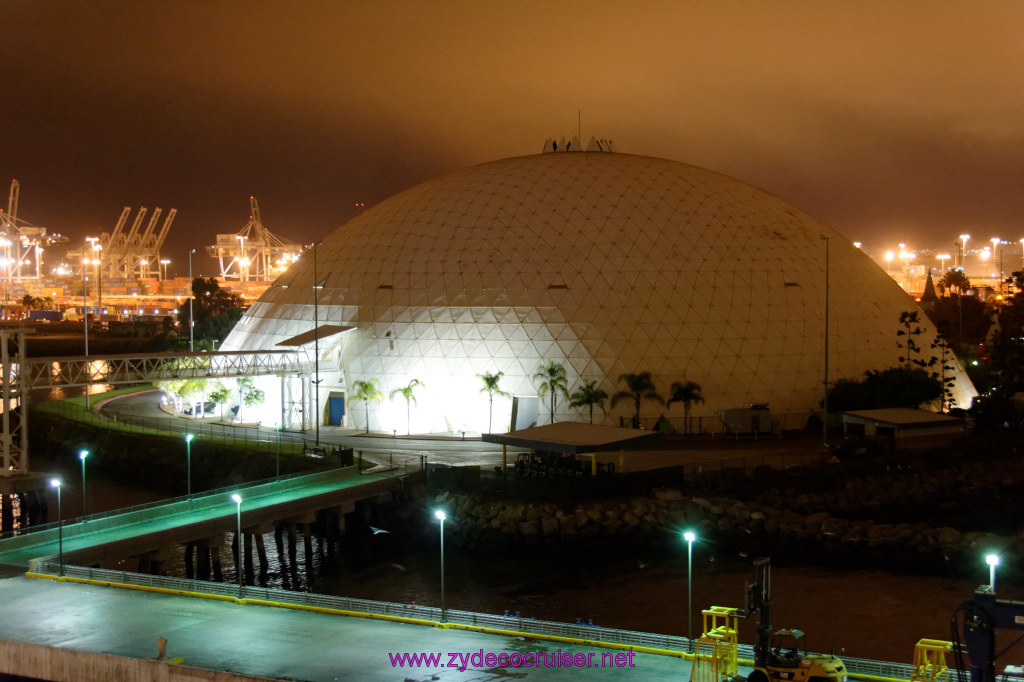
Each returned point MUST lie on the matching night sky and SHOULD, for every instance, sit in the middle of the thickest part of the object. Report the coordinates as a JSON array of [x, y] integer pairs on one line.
[[890, 121]]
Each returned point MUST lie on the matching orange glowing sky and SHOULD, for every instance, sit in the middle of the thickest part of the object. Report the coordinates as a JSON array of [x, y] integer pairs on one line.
[[890, 121]]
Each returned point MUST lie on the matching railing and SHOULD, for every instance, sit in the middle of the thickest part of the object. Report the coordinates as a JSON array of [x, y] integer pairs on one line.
[[857, 667], [233, 435]]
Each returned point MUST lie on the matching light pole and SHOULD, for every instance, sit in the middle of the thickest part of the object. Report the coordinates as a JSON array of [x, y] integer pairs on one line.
[[441, 517], [163, 268], [85, 323], [689, 536], [188, 457], [824, 402], [82, 455], [992, 560], [191, 295], [316, 344], [238, 537], [55, 482]]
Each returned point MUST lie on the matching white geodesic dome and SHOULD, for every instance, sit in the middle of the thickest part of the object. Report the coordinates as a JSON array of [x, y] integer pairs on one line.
[[606, 263]]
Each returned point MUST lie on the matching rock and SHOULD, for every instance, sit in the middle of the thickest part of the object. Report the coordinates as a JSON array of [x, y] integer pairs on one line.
[[668, 494]]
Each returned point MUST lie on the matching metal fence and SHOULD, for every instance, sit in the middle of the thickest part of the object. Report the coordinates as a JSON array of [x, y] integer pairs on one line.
[[229, 434], [856, 667]]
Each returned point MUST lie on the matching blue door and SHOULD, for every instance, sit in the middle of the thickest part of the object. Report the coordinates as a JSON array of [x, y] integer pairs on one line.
[[336, 410]]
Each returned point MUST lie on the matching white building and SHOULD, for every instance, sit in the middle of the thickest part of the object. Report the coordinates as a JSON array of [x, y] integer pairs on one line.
[[606, 263]]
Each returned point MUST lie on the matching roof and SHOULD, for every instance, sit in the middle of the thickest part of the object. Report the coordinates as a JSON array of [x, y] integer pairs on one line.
[[576, 438], [321, 332], [903, 416]]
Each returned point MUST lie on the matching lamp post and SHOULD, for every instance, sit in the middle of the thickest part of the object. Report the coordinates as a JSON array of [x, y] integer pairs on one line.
[[992, 560], [689, 536], [163, 268], [85, 324], [82, 454], [316, 344], [963, 252], [188, 459], [238, 536], [191, 317], [55, 482], [824, 402], [441, 517]]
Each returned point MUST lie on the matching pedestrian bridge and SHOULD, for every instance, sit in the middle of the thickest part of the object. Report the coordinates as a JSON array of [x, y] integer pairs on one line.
[[202, 521]]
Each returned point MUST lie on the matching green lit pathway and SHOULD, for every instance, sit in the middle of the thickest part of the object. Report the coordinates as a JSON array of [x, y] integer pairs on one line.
[[202, 509]]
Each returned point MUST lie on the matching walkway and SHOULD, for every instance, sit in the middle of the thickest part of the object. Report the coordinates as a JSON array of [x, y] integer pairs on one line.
[[214, 508], [275, 642]]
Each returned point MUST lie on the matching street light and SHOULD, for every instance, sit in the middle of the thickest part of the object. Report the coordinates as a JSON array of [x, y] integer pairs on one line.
[[82, 454], [963, 251], [689, 536], [238, 537], [85, 322], [992, 560], [316, 345], [163, 268], [824, 402], [55, 482], [191, 295], [441, 517], [188, 456]]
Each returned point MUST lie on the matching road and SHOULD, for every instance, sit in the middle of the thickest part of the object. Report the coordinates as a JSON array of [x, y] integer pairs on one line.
[[278, 642]]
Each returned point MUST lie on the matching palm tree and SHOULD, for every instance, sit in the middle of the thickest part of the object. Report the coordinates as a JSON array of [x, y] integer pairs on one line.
[[367, 391], [638, 387], [588, 395], [685, 393], [491, 388], [406, 392], [552, 380]]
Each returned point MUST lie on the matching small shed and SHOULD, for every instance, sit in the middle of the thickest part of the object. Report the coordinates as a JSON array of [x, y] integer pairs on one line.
[[906, 427], [554, 446]]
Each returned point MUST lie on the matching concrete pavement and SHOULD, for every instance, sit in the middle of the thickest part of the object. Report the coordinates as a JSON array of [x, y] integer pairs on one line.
[[278, 642]]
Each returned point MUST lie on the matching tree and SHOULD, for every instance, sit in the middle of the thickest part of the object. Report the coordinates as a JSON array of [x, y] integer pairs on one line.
[[685, 393], [216, 311], [955, 280], [893, 387], [909, 347], [368, 391], [491, 388], [639, 387], [588, 395], [248, 395], [406, 392], [219, 396], [552, 380]]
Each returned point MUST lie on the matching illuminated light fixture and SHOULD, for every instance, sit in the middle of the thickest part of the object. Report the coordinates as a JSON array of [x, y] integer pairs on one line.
[[992, 560]]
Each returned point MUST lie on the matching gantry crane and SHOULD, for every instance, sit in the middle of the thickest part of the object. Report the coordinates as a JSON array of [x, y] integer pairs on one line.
[[127, 254], [253, 253], [22, 244]]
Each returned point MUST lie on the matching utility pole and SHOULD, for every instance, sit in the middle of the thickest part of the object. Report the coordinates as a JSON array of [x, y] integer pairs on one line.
[[191, 316], [824, 402]]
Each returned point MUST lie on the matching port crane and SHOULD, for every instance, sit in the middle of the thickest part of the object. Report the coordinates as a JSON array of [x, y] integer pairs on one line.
[[253, 253]]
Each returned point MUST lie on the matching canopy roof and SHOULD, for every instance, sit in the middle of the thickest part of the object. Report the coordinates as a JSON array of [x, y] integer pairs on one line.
[[321, 332], [904, 417], [576, 438]]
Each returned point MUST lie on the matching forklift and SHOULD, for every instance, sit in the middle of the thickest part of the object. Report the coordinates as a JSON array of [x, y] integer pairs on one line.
[[782, 655]]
